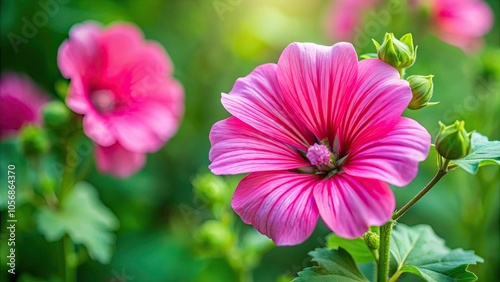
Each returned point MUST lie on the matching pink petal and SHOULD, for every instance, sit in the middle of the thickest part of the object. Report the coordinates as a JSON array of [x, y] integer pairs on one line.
[[77, 98], [347, 15], [349, 205], [393, 158], [375, 106], [170, 97], [462, 23], [278, 204], [99, 129], [21, 102], [257, 100], [240, 148], [123, 44], [315, 80], [118, 161], [155, 101], [79, 53]]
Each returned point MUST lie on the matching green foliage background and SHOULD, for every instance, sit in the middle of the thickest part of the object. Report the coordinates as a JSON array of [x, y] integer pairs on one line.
[[157, 209]]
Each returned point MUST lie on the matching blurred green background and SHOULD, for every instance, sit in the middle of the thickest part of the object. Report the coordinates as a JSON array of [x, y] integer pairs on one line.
[[157, 208]]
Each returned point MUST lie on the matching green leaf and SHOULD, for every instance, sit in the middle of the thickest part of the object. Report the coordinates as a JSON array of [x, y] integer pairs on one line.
[[483, 152], [420, 251], [333, 265], [84, 218], [356, 247]]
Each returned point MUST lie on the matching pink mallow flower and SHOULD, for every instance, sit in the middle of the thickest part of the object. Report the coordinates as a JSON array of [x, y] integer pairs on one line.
[[346, 16], [21, 102], [461, 23], [123, 87], [320, 134]]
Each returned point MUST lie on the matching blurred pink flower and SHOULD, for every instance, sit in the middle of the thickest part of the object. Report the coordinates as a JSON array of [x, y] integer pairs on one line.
[[123, 86], [347, 15], [462, 23], [320, 134], [21, 102]]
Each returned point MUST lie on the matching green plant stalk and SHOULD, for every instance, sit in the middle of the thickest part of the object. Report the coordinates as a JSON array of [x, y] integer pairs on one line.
[[441, 172], [385, 240], [69, 259], [386, 229]]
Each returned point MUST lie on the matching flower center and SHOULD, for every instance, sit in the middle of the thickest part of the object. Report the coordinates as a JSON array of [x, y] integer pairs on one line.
[[103, 100], [319, 155]]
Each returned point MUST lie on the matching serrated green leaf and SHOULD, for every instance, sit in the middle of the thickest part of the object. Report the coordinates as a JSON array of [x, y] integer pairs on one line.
[[483, 152], [418, 250], [333, 265], [356, 247], [84, 218]]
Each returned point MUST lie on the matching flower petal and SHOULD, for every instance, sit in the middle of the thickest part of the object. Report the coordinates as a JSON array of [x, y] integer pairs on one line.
[[77, 55], [99, 129], [278, 204], [315, 80], [393, 158], [376, 105], [240, 148], [350, 205], [118, 161], [257, 101]]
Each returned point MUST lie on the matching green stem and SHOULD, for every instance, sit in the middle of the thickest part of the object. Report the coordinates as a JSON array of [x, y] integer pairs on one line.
[[375, 255], [402, 73], [395, 277], [244, 275], [69, 259], [385, 240], [441, 172]]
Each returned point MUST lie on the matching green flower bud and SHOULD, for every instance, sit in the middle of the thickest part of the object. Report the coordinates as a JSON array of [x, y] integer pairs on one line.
[[55, 114], [213, 238], [453, 142], [34, 141], [422, 88], [211, 189], [372, 240], [400, 54]]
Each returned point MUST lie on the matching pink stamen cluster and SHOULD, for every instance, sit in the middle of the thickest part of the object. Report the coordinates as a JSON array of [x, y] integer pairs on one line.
[[318, 155]]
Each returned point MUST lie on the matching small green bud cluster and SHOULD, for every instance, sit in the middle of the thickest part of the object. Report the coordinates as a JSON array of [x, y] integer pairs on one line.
[[55, 114], [422, 89], [34, 141], [453, 142], [213, 238], [402, 54], [372, 240], [211, 189]]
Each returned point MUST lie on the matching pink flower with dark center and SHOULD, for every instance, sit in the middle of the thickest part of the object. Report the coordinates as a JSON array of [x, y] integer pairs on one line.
[[321, 134], [461, 23], [123, 86], [21, 102]]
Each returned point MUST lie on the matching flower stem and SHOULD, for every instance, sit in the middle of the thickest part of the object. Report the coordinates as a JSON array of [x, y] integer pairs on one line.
[[441, 172], [383, 262], [69, 259]]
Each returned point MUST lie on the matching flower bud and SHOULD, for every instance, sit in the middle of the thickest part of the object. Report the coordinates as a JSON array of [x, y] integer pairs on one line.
[[453, 142], [55, 114], [34, 141], [372, 240], [422, 88], [211, 189], [400, 54], [213, 238]]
